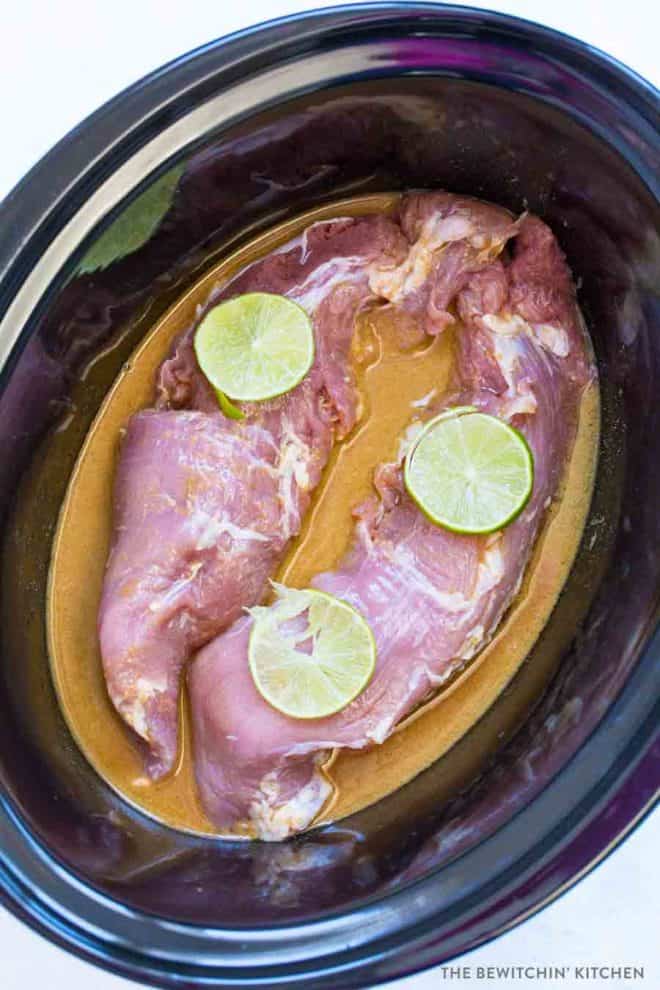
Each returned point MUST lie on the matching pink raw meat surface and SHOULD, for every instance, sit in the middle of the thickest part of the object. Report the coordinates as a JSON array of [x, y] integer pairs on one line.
[[204, 505], [433, 598]]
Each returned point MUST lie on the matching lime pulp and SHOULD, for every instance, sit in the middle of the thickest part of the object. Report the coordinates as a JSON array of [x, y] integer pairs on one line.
[[255, 346], [470, 472], [310, 653]]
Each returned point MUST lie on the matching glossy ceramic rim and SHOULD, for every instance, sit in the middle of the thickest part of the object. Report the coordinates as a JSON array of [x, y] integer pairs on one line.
[[595, 800]]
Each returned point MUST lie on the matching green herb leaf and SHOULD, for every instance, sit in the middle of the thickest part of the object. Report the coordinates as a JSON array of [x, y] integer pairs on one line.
[[134, 226]]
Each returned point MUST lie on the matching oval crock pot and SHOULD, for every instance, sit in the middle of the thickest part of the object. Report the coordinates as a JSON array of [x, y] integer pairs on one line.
[[262, 125]]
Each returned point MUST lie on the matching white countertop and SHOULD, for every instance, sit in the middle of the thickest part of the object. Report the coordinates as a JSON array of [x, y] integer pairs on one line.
[[59, 62]]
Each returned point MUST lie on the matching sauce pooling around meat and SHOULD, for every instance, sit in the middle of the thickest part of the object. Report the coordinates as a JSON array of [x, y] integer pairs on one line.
[[392, 385]]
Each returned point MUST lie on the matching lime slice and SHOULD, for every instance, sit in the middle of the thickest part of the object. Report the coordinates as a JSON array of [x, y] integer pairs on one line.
[[256, 346], [470, 472], [310, 653]]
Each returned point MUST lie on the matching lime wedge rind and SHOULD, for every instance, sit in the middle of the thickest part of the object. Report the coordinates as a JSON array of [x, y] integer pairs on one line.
[[255, 347], [328, 675], [470, 472], [229, 409]]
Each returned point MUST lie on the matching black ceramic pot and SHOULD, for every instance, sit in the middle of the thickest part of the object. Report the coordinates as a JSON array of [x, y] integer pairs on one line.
[[265, 124]]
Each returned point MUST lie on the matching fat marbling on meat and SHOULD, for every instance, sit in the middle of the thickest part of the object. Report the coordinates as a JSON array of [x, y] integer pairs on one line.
[[204, 506], [433, 598]]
